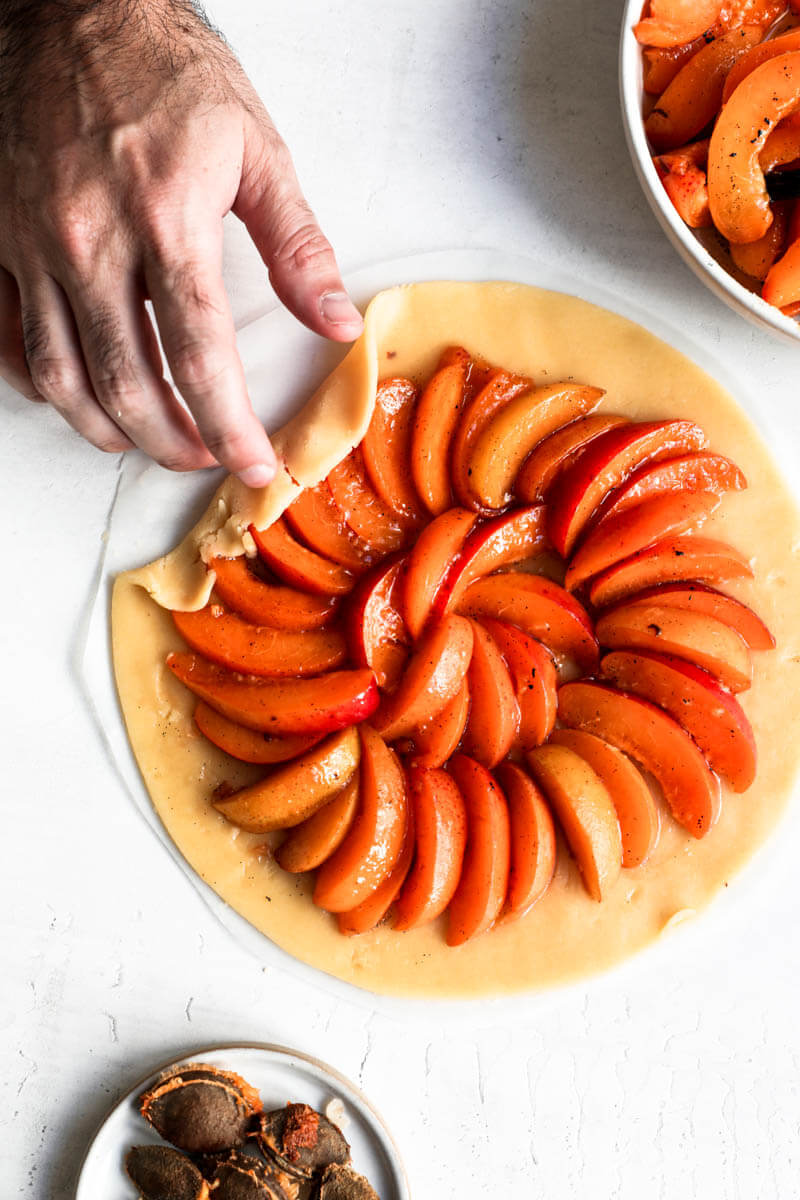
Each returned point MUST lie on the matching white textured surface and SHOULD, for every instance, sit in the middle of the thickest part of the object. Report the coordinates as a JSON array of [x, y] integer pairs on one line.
[[417, 125]]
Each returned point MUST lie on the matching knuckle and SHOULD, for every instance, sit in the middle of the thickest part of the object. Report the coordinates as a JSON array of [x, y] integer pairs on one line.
[[180, 460], [197, 365], [112, 444], [56, 379], [122, 398], [306, 246], [228, 446], [76, 230]]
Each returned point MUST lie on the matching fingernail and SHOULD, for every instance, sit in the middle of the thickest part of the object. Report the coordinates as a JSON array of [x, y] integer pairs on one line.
[[257, 476], [338, 309]]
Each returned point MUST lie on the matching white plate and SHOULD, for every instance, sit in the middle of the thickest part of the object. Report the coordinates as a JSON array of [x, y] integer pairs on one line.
[[704, 250], [154, 508], [280, 1075]]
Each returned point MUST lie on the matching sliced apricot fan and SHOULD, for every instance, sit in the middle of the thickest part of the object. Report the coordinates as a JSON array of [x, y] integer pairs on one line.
[[268, 603], [225, 639], [498, 389], [440, 824], [491, 544], [377, 636], [605, 464], [317, 520], [370, 517], [482, 888], [655, 741], [437, 738], [372, 910], [292, 793], [494, 714], [432, 557], [696, 597], [386, 448], [245, 744], [298, 565], [312, 842], [558, 451], [707, 711], [693, 636], [670, 559], [535, 680], [637, 811], [533, 841], [501, 447], [375, 840], [435, 421], [585, 812], [624, 533], [280, 706], [434, 674], [702, 472], [539, 607]]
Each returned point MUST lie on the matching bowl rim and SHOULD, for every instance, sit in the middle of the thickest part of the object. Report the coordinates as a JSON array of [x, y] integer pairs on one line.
[[691, 250]]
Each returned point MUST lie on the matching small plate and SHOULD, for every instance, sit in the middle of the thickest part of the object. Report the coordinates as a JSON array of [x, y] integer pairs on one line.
[[280, 1075]]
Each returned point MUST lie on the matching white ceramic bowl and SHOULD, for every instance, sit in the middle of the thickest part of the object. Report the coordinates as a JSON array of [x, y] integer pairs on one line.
[[704, 250]]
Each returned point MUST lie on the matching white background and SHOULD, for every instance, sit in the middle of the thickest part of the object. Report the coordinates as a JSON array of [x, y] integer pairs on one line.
[[415, 125]]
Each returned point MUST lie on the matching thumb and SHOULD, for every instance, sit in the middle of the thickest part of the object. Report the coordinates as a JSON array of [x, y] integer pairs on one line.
[[302, 265]]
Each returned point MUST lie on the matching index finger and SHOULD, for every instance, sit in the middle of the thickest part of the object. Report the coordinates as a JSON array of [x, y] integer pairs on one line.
[[197, 333]]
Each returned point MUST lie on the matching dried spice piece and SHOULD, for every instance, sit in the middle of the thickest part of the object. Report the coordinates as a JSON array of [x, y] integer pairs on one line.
[[200, 1109], [242, 1176], [301, 1141], [343, 1183], [161, 1173]]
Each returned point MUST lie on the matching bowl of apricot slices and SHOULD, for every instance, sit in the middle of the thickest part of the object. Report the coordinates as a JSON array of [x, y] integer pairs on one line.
[[496, 617], [711, 105]]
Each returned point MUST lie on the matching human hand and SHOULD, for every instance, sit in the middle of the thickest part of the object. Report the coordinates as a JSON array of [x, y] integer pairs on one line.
[[127, 131]]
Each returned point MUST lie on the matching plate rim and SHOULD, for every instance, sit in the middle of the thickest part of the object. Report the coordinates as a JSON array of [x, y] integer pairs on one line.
[[394, 1155]]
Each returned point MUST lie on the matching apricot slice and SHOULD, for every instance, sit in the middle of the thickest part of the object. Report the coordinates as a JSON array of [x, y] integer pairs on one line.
[[268, 603], [374, 907], [500, 448], [696, 597], [499, 388], [674, 22], [660, 64], [386, 448], [298, 565], [605, 464], [435, 421], [703, 472], [695, 636], [533, 841], [312, 842], [655, 741], [436, 549], [534, 677], [245, 744], [280, 706], [757, 55], [756, 258], [782, 283], [292, 793], [434, 674], [705, 709], [225, 639], [674, 558], [369, 517], [539, 607], [585, 812], [494, 715], [317, 520], [694, 96], [376, 632], [436, 740], [482, 888], [440, 823], [375, 840], [737, 191], [624, 533], [492, 544], [557, 451], [688, 191], [637, 811]]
